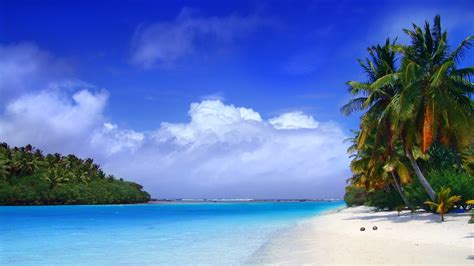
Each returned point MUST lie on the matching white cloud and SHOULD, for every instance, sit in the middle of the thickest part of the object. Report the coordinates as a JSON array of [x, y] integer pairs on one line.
[[294, 120], [52, 119], [164, 43], [61, 122], [114, 140], [222, 151], [211, 122]]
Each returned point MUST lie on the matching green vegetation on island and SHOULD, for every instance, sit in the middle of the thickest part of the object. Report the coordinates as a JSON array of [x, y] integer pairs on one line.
[[415, 145], [27, 177]]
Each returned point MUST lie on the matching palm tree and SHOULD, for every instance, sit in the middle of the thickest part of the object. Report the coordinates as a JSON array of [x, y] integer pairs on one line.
[[83, 176], [434, 102], [57, 176], [381, 62], [4, 167], [396, 166], [369, 165], [467, 159], [5, 161], [34, 163], [444, 202], [373, 170]]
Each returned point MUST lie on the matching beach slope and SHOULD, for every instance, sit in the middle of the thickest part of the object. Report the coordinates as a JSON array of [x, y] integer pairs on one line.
[[335, 238]]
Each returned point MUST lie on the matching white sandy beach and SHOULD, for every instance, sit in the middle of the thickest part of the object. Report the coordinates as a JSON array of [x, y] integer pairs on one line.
[[335, 238]]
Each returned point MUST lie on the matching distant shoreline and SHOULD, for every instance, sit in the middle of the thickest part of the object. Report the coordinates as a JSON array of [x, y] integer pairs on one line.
[[189, 201], [161, 201]]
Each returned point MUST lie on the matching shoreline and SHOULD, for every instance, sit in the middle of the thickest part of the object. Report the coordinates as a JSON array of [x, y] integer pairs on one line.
[[172, 201], [185, 201], [334, 237]]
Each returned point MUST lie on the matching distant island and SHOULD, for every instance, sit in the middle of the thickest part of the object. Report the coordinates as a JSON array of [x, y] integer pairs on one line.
[[27, 177]]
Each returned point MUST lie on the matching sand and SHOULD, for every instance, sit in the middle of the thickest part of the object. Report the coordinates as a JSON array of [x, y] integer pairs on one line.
[[336, 238]]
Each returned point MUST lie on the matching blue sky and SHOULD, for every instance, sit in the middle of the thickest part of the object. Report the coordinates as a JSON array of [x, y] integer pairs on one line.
[[151, 59], [294, 57]]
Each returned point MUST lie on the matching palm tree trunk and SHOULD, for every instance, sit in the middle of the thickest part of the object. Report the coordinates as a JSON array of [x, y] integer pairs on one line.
[[398, 188], [419, 174]]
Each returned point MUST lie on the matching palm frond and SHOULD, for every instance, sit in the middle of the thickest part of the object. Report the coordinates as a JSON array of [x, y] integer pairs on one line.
[[438, 77], [387, 80], [356, 104], [464, 73], [459, 52]]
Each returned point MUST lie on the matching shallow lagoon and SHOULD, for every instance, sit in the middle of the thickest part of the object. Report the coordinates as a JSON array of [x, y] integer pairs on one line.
[[220, 233]]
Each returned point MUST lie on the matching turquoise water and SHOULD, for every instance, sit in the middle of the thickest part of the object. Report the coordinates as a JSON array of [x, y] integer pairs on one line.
[[196, 233]]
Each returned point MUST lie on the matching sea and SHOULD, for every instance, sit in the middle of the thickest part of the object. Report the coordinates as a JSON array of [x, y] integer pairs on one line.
[[147, 234]]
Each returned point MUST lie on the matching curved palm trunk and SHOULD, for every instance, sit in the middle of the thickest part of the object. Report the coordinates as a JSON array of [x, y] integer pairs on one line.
[[419, 174], [398, 188]]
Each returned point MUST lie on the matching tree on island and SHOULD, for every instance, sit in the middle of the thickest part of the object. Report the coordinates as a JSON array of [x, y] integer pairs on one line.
[[27, 177]]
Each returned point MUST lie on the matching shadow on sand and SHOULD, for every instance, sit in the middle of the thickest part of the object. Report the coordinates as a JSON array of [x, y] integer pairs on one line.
[[405, 217]]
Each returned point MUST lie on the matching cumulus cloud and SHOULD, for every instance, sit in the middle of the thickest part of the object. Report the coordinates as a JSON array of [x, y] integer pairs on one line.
[[164, 43], [228, 151], [294, 120], [211, 122], [114, 140], [61, 122], [222, 151]]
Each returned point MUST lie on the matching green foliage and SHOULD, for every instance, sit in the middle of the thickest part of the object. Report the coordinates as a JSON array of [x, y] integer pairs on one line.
[[27, 177], [441, 157], [460, 182], [416, 194], [387, 199], [355, 196], [467, 158]]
